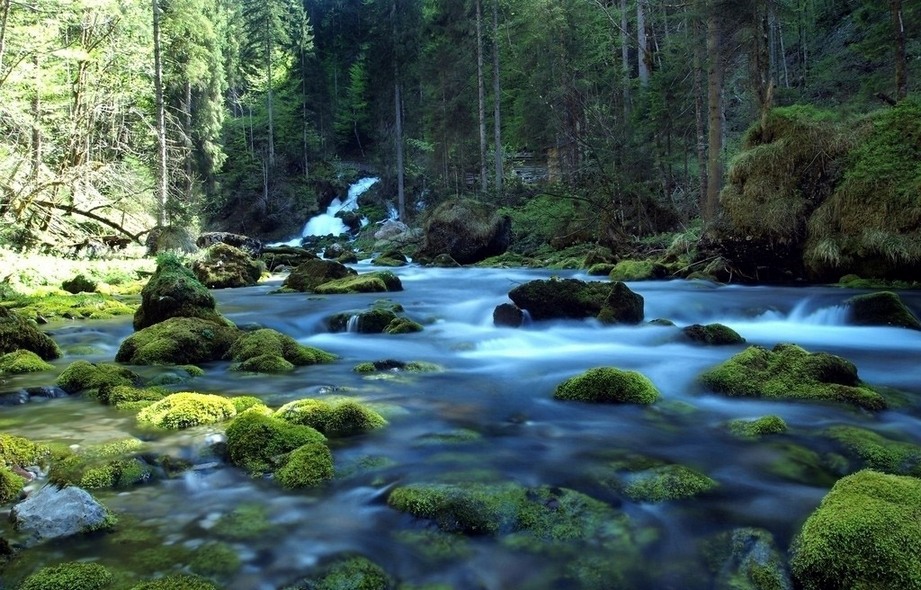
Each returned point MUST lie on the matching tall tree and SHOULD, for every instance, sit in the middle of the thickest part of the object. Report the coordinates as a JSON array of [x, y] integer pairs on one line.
[[481, 92], [710, 206], [161, 183], [497, 99], [898, 36]]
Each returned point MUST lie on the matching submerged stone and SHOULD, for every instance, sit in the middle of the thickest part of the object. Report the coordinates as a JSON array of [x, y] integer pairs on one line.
[[747, 559], [307, 466], [352, 573], [714, 334], [611, 303], [371, 282], [757, 427], [876, 451], [665, 483], [608, 385]]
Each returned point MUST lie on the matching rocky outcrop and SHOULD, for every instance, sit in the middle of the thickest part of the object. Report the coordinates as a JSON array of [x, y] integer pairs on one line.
[[225, 266], [17, 333], [313, 273], [251, 246], [173, 291], [612, 303], [467, 231], [53, 513]]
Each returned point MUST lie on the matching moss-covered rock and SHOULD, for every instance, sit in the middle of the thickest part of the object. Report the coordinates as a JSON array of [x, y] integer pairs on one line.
[[10, 485], [269, 351], [259, 443], [394, 365], [307, 466], [758, 427], [111, 465], [224, 266], [465, 230], [22, 361], [664, 483], [215, 558], [881, 309], [245, 522], [713, 334], [83, 306], [369, 282], [17, 333], [574, 299], [72, 575], [173, 291], [187, 409], [18, 451], [876, 451], [865, 534], [371, 321], [84, 375], [79, 284], [311, 274], [789, 372], [126, 397], [608, 385], [177, 582], [390, 258], [600, 269], [334, 419], [746, 559], [637, 270], [402, 326], [178, 341], [352, 573]]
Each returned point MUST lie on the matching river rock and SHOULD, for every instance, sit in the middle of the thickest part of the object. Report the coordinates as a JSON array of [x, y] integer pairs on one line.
[[881, 309], [313, 273], [251, 246], [173, 291], [507, 314], [169, 238], [466, 230], [52, 513], [18, 333], [390, 229], [225, 266], [713, 334], [612, 303]]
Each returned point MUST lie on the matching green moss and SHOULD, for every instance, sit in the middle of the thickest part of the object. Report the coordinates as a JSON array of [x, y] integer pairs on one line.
[[372, 282], [865, 534], [23, 361], [312, 273], [637, 270], [883, 308], [173, 291], [714, 334], [187, 409], [245, 522], [601, 269], [402, 326], [256, 441], [72, 575], [215, 559], [10, 485], [353, 573], [334, 419], [178, 341], [610, 303], [307, 466], [666, 482], [757, 427], [242, 403], [372, 321], [79, 284], [789, 372], [746, 559], [221, 266], [878, 452], [126, 397], [82, 375], [608, 385], [84, 306], [435, 545], [17, 333], [264, 363], [18, 451], [365, 368], [110, 465], [177, 582], [269, 351]]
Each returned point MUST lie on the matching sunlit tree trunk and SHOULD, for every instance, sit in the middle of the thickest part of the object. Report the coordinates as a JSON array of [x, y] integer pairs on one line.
[[642, 54], [898, 32], [161, 179]]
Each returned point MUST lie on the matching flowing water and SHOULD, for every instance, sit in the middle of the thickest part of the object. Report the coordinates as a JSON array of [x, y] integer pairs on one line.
[[490, 415], [327, 223]]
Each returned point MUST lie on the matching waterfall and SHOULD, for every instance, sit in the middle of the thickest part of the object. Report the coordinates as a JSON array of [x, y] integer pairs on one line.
[[352, 325], [327, 223]]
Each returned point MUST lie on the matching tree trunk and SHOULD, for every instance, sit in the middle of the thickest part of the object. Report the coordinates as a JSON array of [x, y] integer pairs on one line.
[[901, 67], [270, 101], [5, 7], [187, 141], [699, 123], [481, 92], [398, 121], [642, 55], [161, 179], [715, 117], [625, 60], [36, 121], [497, 98], [760, 60]]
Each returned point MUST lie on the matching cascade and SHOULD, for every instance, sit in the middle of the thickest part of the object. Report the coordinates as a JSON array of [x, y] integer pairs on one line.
[[327, 223]]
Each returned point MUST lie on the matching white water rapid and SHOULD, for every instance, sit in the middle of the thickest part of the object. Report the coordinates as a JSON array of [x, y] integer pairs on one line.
[[327, 223]]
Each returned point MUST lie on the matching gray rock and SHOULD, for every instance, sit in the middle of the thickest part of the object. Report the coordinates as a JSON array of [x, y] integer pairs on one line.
[[52, 513], [390, 229]]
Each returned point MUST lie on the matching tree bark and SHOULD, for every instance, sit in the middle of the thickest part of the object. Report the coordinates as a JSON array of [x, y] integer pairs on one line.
[[5, 7], [642, 55], [481, 93], [715, 117], [901, 66], [625, 60], [699, 123], [161, 179], [398, 120], [270, 101], [497, 99]]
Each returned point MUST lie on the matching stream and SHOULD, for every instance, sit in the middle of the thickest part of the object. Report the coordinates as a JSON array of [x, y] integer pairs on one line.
[[488, 414]]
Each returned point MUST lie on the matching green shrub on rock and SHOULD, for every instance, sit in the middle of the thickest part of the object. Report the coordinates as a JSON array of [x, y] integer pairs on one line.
[[178, 341], [608, 385], [256, 441], [72, 575], [23, 361], [334, 419], [865, 534], [789, 372], [187, 409], [307, 466]]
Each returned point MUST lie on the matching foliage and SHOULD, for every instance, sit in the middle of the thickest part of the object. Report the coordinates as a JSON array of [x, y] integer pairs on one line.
[[73, 575], [608, 385], [187, 409], [334, 419]]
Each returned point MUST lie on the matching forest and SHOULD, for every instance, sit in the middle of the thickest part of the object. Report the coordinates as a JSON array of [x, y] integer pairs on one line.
[[588, 121]]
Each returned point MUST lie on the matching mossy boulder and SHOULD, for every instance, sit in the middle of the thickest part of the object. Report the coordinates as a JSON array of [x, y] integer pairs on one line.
[[881, 309], [712, 334], [224, 266], [334, 419], [111, 465], [126, 397], [22, 361], [390, 258], [865, 534], [10, 485], [600, 269], [177, 582], [215, 558], [187, 409], [466, 230], [876, 451], [395, 365], [314, 272], [349, 573], [402, 326], [746, 559], [307, 466], [790, 372], [71, 575], [269, 351], [757, 427], [79, 284], [637, 270], [611, 303], [370, 321], [608, 385], [245, 522], [174, 291], [18, 451], [260, 443], [178, 341], [84, 376], [17, 333], [369, 282], [664, 483]]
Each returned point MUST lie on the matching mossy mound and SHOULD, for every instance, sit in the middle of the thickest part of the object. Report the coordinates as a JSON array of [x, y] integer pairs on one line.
[[881, 309], [876, 451], [22, 361], [72, 575], [215, 558], [10, 485], [126, 397], [224, 266], [177, 582], [746, 559], [394, 365], [259, 443], [307, 466], [370, 282], [83, 306], [314, 272], [608, 385], [352, 573], [466, 230], [637, 270], [84, 376], [173, 291], [111, 465], [664, 483], [758, 427], [187, 409], [574, 299], [601, 269], [178, 341], [79, 284], [865, 534], [713, 334], [245, 522], [334, 419], [390, 258], [402, 326], [18, 334], [269, 351], [789, 372], [18, 451]]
